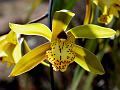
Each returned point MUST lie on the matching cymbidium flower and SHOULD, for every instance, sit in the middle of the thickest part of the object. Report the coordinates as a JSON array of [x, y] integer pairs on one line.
[[105, 19], [112, 6], [10, 50], [61, 49]]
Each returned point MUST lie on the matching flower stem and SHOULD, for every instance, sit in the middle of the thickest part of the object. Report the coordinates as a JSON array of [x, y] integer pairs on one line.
[[50, 14], [50, 27], [39, 19]]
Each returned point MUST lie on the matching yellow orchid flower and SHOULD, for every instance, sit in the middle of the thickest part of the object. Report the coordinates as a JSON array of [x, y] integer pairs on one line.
[[113, 6], [10, 50], [61, 49], [105, 19]]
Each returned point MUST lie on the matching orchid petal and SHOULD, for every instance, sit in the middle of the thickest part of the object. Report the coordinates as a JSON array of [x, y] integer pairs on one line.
[[89, 61], [27, 49], [11, 37], [91, 31], [30, 60], [32, 29], [114, 12], [17, 53], [7, 47], [61, 20], [3, 42], [2, 37]]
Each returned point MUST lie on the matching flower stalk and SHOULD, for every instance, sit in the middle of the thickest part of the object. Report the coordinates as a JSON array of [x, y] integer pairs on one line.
[[39, 19], [50, 27]]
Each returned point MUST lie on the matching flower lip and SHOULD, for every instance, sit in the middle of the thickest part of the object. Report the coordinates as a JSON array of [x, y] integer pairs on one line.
[[61, 55]]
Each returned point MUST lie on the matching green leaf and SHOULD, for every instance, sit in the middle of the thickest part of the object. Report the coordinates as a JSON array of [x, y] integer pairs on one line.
[[30, 60], [92, 31], [60, 22], [89, 61], [32, 29]]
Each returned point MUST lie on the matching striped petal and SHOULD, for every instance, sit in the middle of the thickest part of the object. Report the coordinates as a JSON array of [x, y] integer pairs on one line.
[[30, 60], [89, 61], [32, 29], [60, 22]]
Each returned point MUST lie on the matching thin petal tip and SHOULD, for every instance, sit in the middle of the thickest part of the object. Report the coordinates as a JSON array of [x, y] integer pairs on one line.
[[101, 72], [11, 75], [10, 24]]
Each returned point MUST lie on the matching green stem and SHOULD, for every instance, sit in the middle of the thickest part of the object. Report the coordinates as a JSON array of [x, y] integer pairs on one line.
[[79, 72], [34, 5], [39, 19], [50, 26], [89, 81]]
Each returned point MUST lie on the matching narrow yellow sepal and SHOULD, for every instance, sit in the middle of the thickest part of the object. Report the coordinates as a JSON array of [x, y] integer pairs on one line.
[[30, 60], [89, 62], [27, 49]]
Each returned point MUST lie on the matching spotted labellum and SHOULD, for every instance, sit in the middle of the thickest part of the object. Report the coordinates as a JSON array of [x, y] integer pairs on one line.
[[61, 55]]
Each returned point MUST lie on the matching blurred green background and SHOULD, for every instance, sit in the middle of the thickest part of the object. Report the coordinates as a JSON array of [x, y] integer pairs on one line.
[[75, 78]]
